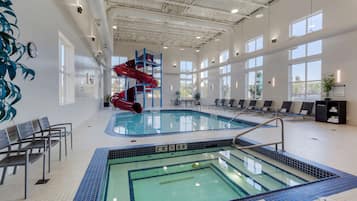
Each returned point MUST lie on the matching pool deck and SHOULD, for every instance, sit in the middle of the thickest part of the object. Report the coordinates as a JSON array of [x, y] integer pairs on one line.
[[328, 144]]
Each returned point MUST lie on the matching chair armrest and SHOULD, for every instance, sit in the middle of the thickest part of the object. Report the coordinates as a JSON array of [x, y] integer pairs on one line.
[[29, 140], [63, 128], [63, 124], [15, 151]]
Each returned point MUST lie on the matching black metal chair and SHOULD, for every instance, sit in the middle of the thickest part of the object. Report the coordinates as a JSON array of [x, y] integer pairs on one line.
[[65, 128], [19, 157], [26, 132]]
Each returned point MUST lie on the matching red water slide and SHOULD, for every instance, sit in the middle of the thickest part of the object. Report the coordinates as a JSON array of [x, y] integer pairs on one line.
[[128, 70]]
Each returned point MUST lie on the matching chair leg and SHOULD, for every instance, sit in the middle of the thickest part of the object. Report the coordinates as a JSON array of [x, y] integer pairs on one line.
[[71, 141], [65, 145], [49, 157], [26, 173], [44, 166], [14, 170], [3, 175], [60, 147]]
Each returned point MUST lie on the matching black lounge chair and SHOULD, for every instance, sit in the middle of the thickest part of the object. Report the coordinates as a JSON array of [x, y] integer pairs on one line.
[[285, 108], [217, 102], [240, 104], [267, 107], [19, 157], [65, 128], [224, 102], [231, 103], [305, 110], [252, 105]]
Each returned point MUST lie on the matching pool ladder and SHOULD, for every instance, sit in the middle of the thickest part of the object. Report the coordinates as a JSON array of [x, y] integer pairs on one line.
[[282, 142]]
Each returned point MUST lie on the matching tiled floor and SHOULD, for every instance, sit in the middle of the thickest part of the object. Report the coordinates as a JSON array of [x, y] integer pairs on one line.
[[331, 145]]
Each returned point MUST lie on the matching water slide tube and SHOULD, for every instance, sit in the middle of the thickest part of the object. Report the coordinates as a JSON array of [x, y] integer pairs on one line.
[[128, 70]]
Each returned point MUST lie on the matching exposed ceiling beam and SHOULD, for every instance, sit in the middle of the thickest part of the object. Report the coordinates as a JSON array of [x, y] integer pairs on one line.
[[152, 43], [250, 2], [217, 10], [191, 20], [166, 24], [159, 26], [132, 29]]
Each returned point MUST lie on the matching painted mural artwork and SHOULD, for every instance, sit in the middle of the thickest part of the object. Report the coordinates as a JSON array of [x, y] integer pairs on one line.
[[11, 52]]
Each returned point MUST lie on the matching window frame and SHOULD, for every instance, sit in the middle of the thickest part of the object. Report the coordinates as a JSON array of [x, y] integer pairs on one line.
[[225, 77], [255, 40], [187, 77], [305, 81], [115, 77], [66, 71], [256, 69], [306, 19]]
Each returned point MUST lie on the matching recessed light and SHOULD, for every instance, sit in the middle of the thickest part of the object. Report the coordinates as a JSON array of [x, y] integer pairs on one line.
[[198, 50], [115, 27], [259, 15], [198, 37], [165, 47], [182, 49], [234, 11]]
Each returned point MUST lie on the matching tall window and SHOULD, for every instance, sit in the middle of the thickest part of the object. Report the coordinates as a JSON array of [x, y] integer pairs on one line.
[[254, 78], [305, 71], [254, 44], [204, 79], [66, 71], [186, 79], [204, 64], [224, 56], [225, 82], [306, 50], [118, 83], [307, 25]]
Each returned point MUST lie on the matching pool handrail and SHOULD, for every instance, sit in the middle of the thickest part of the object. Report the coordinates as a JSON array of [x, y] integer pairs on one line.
[[282, 142]]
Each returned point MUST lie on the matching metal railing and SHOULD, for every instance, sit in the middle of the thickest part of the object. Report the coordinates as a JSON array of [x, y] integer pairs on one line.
[[235, 116], [282, 142]]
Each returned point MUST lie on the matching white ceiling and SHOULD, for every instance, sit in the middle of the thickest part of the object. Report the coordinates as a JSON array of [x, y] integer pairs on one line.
[[177, 22]]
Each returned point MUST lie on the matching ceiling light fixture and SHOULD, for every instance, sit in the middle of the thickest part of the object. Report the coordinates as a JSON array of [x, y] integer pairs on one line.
[[259, 15], [165, 47], [234, 11], [182, 49], [198, 50], [115, 27], [198, 37]]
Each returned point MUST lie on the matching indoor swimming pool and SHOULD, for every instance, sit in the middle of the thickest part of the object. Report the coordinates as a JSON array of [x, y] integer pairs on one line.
[[170, 121]]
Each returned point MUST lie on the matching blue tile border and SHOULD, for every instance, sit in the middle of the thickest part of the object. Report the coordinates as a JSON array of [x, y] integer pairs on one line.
[[109, 131], [331, 181]]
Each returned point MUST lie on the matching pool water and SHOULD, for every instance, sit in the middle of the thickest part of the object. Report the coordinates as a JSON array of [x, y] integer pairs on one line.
[[214, 174], [169, 121]]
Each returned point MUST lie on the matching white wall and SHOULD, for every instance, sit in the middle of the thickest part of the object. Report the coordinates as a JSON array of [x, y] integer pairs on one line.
[[339, 46], [40, 21], [170, 56]]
